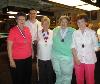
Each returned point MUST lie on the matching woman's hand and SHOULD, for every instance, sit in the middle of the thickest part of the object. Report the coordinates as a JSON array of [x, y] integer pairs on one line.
[[12, 64], [77, 61], [32, 55]]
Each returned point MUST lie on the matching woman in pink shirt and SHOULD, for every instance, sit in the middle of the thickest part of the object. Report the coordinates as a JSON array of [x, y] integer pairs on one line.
[[20, 53]]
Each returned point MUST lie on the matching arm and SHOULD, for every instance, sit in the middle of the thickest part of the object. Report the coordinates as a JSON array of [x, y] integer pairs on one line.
[[95, 42], [32, 52], [76, 60], [74, 51], [9, 48]]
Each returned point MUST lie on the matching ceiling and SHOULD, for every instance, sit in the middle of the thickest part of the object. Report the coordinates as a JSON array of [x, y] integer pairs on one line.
[[38, 4], [96, 4], [24, 5], [44, 6]]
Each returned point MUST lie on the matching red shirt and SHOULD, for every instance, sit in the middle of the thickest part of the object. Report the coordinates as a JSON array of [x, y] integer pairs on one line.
[[22, 47]]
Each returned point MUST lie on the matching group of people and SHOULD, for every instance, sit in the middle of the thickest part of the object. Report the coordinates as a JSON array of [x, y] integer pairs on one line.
[[57, 51]]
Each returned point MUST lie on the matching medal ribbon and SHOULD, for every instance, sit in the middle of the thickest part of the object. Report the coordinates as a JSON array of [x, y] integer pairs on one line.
[[23, 35], [45, 36], [63, 33]]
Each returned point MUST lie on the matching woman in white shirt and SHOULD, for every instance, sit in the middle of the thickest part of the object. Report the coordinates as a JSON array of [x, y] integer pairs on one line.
[[44, 52], [83, 47]]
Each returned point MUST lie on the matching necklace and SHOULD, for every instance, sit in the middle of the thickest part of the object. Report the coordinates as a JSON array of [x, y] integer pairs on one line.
[[45, 36], [23, 35], [83, 40], [63, 34]]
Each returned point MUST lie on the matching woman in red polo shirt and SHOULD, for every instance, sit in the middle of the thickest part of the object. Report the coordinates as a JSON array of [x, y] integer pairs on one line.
[[20, 51]]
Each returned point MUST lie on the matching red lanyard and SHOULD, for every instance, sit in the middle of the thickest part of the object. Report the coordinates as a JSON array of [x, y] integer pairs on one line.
[[23, 35]]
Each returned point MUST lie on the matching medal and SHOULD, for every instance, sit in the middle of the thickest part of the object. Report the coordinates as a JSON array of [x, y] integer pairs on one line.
[[62, 40], [25, 41], [82, 45], [63, 34]]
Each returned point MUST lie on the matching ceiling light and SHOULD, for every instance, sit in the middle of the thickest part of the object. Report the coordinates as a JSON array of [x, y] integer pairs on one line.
[[38, 11], [12, 12], [94, 1], [11, 16], [69, 2], [40, 15], [37, 15], [78, 4], [88, 7], [1, 21]]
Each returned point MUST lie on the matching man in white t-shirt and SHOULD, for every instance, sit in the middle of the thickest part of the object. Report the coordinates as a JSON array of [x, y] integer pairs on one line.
[[34, 26]]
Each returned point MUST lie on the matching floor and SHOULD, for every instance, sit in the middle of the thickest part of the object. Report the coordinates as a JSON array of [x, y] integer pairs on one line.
[[5, 74]]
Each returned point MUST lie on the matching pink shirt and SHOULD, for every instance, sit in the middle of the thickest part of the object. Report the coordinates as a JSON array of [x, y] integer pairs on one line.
[[22, 47]]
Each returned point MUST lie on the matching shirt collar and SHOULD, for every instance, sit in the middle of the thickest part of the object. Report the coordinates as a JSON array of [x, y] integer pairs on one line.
[[86, 29]]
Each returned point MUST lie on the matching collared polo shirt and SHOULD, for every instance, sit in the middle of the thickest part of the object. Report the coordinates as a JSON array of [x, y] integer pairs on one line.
[[21, 47], [34, 28], [45, 48], [62, 48], [85, 54]]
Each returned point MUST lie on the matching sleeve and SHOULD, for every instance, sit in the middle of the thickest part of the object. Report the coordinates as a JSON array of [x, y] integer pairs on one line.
[[39, 26], [11, 35], [95, 41], [37, 30], [54, 32], [73, 41], [51, 34]]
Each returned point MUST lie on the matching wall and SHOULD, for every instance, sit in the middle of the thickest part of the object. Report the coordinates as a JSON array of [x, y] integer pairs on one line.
[[72, 12]]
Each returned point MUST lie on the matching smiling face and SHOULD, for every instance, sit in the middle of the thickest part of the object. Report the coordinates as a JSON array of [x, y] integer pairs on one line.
[[45, 22], [45, 25], [82, 21], [21, 21], [81, 24], [64, 23], [32, 14]]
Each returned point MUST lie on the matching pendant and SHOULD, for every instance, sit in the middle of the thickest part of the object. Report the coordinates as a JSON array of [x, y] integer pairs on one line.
[[25, 41], [62, 40], [82, 45]]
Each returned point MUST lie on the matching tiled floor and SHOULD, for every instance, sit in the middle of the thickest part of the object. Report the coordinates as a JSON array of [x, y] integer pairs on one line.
[[5, 74]]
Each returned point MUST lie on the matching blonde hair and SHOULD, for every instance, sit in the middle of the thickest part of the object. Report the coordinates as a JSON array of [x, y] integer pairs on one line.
[[64, 17], [45, 18]]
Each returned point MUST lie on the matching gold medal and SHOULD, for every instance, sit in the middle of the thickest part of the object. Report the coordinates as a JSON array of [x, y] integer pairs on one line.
[[82, 45], [62, 40], [25, 41]]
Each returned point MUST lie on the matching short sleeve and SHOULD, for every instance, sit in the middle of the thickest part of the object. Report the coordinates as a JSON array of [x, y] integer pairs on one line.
[[95, 42], [11, 35], [73, 40]]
